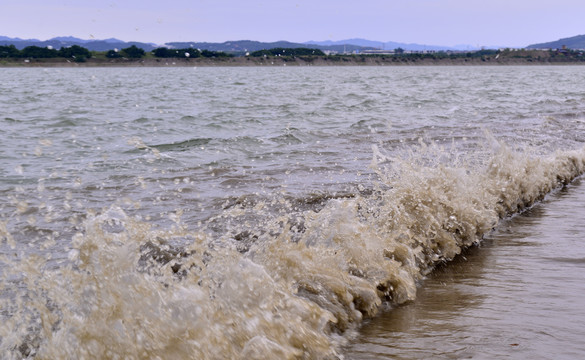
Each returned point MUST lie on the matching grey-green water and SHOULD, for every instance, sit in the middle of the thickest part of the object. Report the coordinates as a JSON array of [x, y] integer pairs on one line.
[[250, 212]]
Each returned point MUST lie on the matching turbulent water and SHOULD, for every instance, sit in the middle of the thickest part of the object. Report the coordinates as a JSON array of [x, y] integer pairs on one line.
[[211, 213], [519, 295]]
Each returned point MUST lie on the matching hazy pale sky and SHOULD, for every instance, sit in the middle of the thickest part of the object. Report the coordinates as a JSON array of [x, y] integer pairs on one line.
[[514, 23]]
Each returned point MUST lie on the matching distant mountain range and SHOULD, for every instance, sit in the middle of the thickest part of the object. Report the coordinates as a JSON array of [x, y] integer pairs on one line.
[[391, 45], [66, 41], [231, 46], [349, 45], [248, 45], [575, 42]]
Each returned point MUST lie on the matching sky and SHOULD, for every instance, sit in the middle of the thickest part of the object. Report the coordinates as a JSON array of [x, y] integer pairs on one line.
[[510, 23]]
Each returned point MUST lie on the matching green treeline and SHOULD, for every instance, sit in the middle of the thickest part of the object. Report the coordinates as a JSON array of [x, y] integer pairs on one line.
[[75, 52], [288, 52], [188, 53], [79, 53], [438, 55], [131, 52]]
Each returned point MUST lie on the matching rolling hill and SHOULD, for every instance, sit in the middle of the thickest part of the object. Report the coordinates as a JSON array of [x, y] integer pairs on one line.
[[575, 42]]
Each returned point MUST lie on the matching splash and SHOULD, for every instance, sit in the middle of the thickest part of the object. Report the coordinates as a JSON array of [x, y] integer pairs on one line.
[[292, 285]]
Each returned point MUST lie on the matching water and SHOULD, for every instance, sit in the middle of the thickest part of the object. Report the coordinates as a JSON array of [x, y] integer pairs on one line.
[[519, 295], [290, 213]]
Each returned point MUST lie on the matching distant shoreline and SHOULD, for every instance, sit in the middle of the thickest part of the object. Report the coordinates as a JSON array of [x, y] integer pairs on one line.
[[347, 60]]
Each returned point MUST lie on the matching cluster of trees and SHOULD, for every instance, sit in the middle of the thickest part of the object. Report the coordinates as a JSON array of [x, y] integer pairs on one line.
[[288, 52], [131, 52], [74, 52], [188, 53], [488, 54], [446, 55], [79, 53]]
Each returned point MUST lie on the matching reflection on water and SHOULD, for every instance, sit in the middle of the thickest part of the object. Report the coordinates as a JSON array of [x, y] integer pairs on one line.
[[520, 294]]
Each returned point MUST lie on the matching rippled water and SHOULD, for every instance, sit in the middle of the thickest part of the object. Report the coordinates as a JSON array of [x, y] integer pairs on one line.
[[227, 212]]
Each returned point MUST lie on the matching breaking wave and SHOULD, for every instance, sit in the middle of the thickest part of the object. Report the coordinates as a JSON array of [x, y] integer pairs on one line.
[[267, 278]]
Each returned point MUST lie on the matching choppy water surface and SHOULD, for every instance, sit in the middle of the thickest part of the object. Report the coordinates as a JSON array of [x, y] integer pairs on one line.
[[254, 213]]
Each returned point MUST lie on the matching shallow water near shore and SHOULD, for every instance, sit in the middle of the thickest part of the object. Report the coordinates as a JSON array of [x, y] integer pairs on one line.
[[517, 295], [289, 213]]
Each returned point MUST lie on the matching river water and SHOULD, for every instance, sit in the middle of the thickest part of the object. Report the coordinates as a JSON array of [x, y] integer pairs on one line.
[[519, 295], [314, 212]]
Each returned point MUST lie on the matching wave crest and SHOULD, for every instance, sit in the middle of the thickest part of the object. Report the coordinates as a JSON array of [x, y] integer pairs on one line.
[[304, 280]]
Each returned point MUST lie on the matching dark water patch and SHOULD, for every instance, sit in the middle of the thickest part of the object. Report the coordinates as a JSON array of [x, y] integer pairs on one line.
[[364, 105], [253, 121], [236, 182], [369, 125], [183, 145], [141, 120], [243, 141], [565, 260], [188, 118], [215, 169], [287, 139], [218, 123], [70, 123], [64, 123]]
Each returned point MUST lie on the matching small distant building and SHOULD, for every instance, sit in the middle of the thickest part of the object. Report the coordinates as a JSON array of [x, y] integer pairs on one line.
[[563, 50]]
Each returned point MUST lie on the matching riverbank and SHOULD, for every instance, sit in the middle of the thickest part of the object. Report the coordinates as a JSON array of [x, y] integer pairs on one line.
[[513, 58]]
